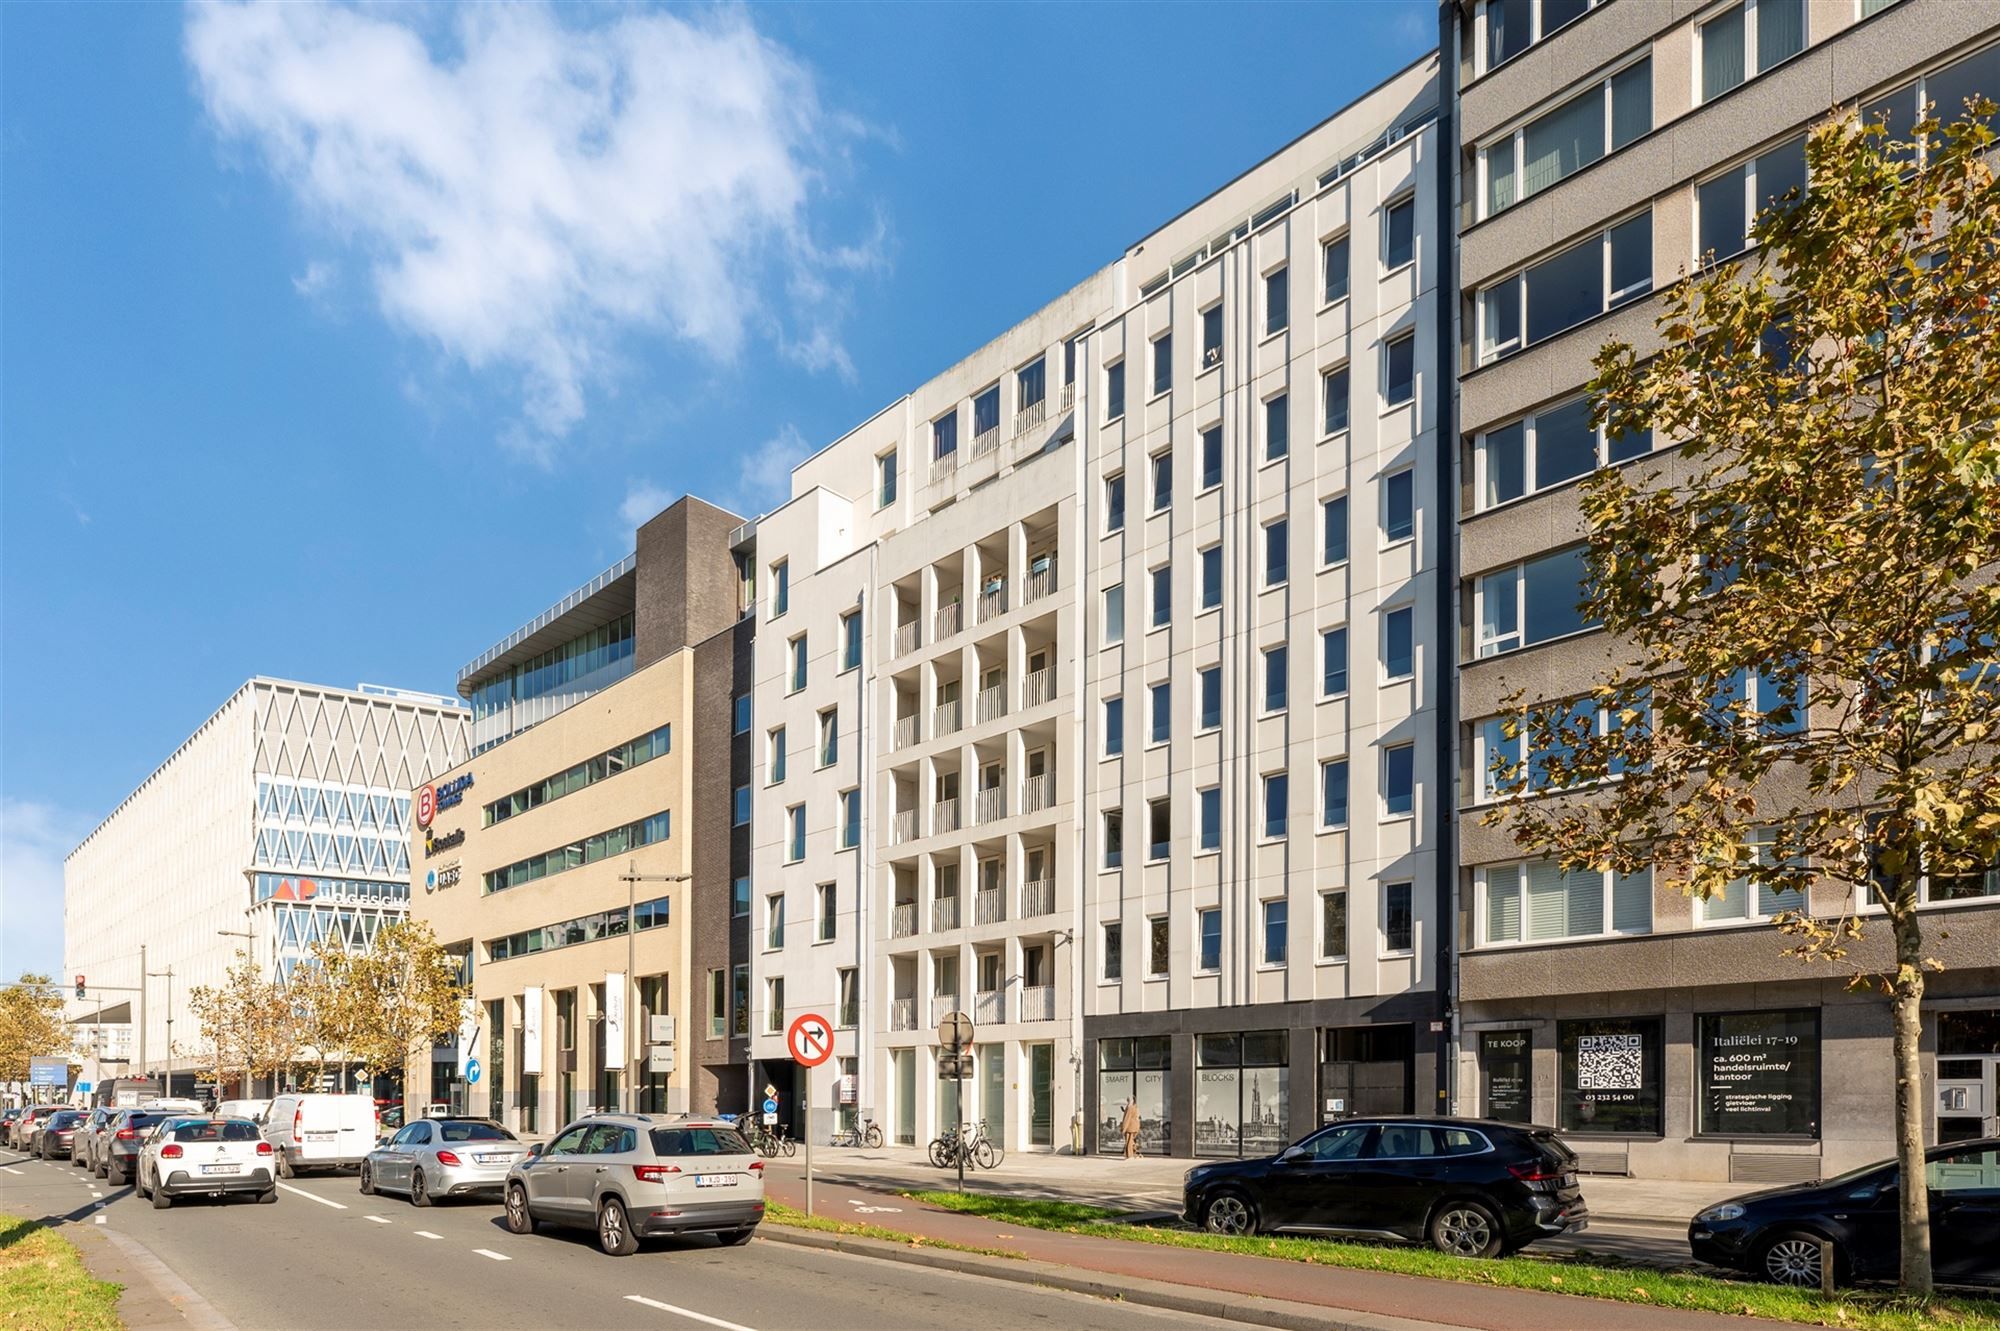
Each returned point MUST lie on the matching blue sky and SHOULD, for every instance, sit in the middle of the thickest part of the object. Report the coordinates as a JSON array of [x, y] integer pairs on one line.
[[336, 342]]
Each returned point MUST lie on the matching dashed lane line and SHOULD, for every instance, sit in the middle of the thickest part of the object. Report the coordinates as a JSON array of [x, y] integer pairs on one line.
[[378, 1219], [688, 1313], [99, 1219], [313, 1196], [11, 1170], [503, 1257], [426, 1234]]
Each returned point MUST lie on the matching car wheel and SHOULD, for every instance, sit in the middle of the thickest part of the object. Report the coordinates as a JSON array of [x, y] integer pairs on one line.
[[1466, 1229], [420, 1193], [367, 1180], [520, 1220], [160, 1199], [100, 1169], [614, 1229], [1793, 1259], [736, 1238], [114, 1176], [285, 1166], [1229, 1213]]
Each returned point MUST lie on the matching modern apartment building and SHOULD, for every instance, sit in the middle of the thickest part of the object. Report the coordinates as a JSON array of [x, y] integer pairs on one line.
[[1602, 150], [279, 822], [573, 860], [1097, 688]]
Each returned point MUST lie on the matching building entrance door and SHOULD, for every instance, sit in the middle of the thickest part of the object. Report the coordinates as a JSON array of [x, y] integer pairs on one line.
[[1366, 1070], [1968, 1075]]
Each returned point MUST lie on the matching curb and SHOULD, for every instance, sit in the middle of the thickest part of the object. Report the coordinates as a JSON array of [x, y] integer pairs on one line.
[[1242, 1309]]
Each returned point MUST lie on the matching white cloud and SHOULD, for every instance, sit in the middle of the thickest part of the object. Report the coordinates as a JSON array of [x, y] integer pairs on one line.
[[763, 481], [34, 837], [314, 281], [642, 501], [526, 191]]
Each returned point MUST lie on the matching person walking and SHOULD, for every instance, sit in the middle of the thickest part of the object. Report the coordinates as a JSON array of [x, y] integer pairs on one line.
[[1130, 1128]]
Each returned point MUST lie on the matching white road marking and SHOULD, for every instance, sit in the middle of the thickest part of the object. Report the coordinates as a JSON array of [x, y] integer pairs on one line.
[[11, 1170], [496, 1256], [686, 1312], [426, 1234], [313, 1196], [100, 1220], [378, 1219]]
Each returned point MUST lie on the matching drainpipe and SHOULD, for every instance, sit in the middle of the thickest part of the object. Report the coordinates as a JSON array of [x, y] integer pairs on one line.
[[1444, 673]]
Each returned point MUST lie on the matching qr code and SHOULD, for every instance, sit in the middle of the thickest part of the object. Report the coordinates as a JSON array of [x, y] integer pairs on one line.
[[1607, 1063]]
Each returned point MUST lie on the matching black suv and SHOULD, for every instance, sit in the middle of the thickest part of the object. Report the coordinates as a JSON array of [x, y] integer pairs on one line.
[[1467, 1186]]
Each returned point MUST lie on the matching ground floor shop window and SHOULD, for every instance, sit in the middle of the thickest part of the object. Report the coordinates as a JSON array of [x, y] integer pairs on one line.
[[1241, 1094], [1367, 1070], [1611, 1074], [906, 1096], [495, 1072], [1759, 1073], [531, 1097], [993, 1090], [1133, 1070], [1506, 1070], [1041, 1094]]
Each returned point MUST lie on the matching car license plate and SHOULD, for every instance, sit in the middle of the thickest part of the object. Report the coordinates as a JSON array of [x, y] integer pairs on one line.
[[491, 1159], [1578, 1226], [220, 1169], [715, 1180]]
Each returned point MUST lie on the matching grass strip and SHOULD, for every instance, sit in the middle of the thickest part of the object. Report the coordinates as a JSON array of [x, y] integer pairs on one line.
[[1859, 1310], [778, 1213], [43, 1286]]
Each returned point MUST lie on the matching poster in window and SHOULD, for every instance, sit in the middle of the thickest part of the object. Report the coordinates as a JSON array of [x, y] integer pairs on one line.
[[1505, 1063], [1611, 1073], [1760, 1073]]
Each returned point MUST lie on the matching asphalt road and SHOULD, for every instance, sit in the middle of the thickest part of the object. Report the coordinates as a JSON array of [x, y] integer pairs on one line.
[[326, 1258]]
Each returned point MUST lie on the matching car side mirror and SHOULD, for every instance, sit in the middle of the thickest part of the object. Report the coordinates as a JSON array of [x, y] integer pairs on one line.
[[1291, 1155], [534, 1149]]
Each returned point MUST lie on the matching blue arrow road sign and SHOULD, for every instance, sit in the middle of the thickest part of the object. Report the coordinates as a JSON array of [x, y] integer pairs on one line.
[[471, 1072]]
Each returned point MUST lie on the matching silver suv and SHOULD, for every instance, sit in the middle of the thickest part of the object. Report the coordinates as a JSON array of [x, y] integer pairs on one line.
[[634, 1176]]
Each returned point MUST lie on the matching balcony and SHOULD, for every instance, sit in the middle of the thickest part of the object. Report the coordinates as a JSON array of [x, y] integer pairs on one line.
[[902, 1014], [992, 602], [945, 621], [903, 919], [989, 905], [992, 703], [1028, 417], [945, 463], [942, 1006], [944, 913], [985, 442], [1038, 1003], [1038, 688], [1038, 792], [1067, 398], [989, 1008], [903, 827], [945, 718], [945, 817], [906, 638], [904, 734], [1038, 897], [992, 805], [1039, 583]]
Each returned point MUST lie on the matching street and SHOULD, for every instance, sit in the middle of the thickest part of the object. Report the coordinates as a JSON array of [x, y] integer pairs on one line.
[[326, 1258]]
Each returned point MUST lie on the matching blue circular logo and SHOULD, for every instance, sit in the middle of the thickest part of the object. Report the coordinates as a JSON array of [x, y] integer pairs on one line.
[[431, 881]]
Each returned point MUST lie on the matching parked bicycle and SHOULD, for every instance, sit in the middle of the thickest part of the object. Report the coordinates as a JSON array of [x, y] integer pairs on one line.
[[862, 1132], [969, 1141], [769, 1142]]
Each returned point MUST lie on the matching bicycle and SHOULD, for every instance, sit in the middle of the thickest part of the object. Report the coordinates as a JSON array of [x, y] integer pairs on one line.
[[986, 1153], [763, 1140], [944, 1148], [863, 1132]]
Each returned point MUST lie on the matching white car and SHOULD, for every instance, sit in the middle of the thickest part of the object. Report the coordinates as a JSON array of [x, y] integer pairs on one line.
[[206, 1157]]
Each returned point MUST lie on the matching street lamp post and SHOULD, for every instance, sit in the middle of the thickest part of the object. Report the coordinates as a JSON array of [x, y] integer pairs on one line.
[[250, 937], [167, 1083], [633, 878]]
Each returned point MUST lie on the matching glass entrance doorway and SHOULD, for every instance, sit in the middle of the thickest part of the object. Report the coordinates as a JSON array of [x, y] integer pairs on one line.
[[1968, 1075]]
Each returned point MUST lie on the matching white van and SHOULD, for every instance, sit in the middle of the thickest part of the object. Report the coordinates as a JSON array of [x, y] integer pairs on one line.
[[320, 1131], [254, 1110]]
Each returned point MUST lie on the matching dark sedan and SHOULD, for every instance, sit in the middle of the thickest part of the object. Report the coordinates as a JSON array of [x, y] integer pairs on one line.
[[1776, 1234], [58, 1135], [1471, 1187]]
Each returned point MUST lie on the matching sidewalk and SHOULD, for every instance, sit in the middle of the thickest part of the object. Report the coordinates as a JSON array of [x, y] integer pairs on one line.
[[1151, 1183]]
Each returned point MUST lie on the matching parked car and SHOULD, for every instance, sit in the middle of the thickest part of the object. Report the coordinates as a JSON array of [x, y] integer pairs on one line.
[[1470, 1187], [58, 1134], [634, 1176], [254, 1110], [29, 1125], [1776, 1233], [83, 1151], [7, 1117], [118, 1155], [443, 1157], [319, 1131], [205, 1157], [173, 1104], [388, 1120]]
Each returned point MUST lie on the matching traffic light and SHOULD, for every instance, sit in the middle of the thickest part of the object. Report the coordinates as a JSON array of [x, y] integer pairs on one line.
[[79, 986]]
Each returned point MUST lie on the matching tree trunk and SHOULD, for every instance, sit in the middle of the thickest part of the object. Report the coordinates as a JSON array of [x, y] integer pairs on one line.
[[1906, 1006]]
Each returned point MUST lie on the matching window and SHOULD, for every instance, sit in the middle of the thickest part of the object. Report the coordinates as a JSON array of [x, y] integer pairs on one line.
[[1114, 838], [1751, 38], [781, 587], [798, 680], [1333, 925], [1277, 301], [739, 897], [1539, 901], [1163, 363], [1114, 391], [1211, 577], [774, 761], [1742, 901], [774, 921], [1496, 746], [1277, 552], [1555, 445], [1210, 798], [1114, 951], [1277, 436], [1399, 505], [850, 819], [829, 737], [1399, 233], [1978, 73], [1208, 929], [774, 1004], [718, 1005], [739, 998], [1114, 503], [847, 1006], [742, 718], [1160, 704], [1728, 205], [944, 435], [1277, 798], [795, 838], [1163, 480], [1336, 399], [1399, 780], [1211, 457], [1275, 684], [1030, 384], [1114, 727], [1398, 928], [1333, 662], [1333, 793], [1532, 602], [1209, 679], [1759, 1073], [1601, 119], [1277, 930], [829, 911], [579, 776], [585, 850], [986, 412], [1211, 336], [885, 479], [1163, 596], [1512, 26], [1333, 269], [1399, 369], [1069, 362], [1156, 946], [1564, 290], [1114, 613], [850, 640], [1159, 828], [1610, 1070], [1399, 643], [1333, 530]]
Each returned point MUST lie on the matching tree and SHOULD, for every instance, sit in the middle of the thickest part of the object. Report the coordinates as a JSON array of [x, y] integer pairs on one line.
[[246, 1023], [1804, 689], [395, 1000], [32, 1025]]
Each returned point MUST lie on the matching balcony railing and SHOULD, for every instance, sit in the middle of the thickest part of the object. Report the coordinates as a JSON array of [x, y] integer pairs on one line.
[[944, 817], [942, 1006], [1039, 583], [1028, 417], [1038, 792], [903, 919], [1067, 397], [906, 638], [945, 622], [1038, 1003], [904, 734], [902, 1014], [985, 441], [992, 703], [1038, 897], [903, 827], [944, 913], [945, 718], [992, 804], [1038, 687], [945, 462], [989, 1008], [989, 905], [992, 602]]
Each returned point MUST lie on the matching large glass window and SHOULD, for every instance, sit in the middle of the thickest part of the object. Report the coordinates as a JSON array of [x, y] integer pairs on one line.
[[1611, 1075], [1399, 233], [1729, 204], [1208, 939], [1133, 1071], [1399, 369], [1532, 602], [1564, 290], [1333, 792], [1759, 1073], [1553, 446], [1240, 1095], [1750, 38], [1334, 394], [1512, 26], [617, 841], [572, 667], [654, 744], [1277, 801], [1398, 643], [1333, 270], [944, 435], [986, 412], [1399, 780], [1540, 901], [583, 929], [1399, 505], [1601, 119]]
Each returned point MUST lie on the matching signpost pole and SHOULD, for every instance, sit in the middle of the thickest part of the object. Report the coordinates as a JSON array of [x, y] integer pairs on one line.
[[809, 1138], [958, 1066]]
